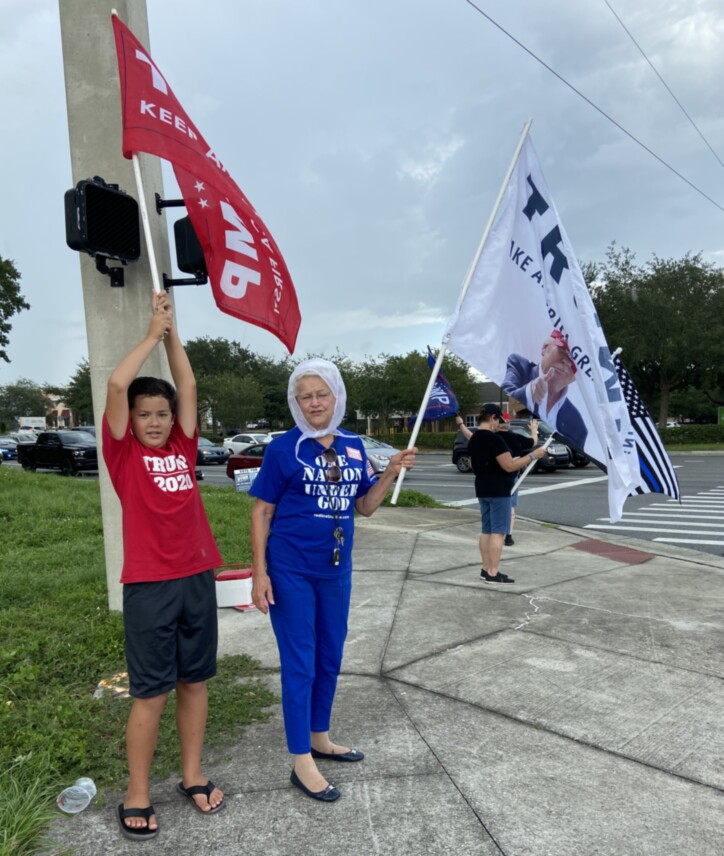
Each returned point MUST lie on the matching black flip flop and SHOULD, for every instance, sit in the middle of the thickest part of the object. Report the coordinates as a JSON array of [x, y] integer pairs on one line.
[[139, 833], [206, 789]]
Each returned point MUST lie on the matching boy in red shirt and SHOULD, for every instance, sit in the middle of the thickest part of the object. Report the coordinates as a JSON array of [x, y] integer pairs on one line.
[[150, 439]]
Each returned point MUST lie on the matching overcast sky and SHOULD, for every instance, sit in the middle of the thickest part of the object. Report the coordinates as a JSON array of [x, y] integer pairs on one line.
[[372, 138]]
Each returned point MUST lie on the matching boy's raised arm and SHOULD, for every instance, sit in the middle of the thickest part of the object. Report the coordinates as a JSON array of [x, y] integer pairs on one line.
[[130, 365], [185, 382]]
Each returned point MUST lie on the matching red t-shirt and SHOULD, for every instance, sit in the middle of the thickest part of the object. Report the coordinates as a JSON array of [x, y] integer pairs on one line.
[[166, 534]]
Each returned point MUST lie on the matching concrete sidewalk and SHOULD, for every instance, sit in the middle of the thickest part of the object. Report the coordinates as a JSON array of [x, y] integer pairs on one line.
[[576, 712]]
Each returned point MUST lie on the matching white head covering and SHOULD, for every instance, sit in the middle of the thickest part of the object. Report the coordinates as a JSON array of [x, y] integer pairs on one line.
[[329, 373]]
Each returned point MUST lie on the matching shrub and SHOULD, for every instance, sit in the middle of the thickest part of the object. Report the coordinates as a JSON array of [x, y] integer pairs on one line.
[[429, 440], [692, 435]]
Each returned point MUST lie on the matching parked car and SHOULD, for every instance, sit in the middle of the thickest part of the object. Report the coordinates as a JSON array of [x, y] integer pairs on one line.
[[208, 453], [576, 457], [378, 453], [460, 456], [248, 459], [89, 429], [24, 436], [239, 442], [67, 451], [271, 435], [556, 455], [8, 448]]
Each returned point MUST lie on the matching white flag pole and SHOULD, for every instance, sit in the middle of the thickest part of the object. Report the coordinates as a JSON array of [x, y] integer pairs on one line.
[[529, 467], [146, 224], [466, 285], [418, 420], [494, 212]]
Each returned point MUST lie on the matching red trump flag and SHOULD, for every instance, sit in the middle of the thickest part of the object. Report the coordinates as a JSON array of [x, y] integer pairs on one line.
[[249, 278]]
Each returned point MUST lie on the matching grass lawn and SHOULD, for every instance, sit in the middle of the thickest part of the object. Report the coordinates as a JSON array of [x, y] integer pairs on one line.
[[58, 640]]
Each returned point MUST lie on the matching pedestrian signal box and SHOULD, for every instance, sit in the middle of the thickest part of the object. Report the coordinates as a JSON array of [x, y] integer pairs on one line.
[[189, 255], [102, 220]]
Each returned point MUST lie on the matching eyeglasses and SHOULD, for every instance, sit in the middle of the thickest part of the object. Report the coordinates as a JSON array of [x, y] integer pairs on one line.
[[333, 474], [309, 397]]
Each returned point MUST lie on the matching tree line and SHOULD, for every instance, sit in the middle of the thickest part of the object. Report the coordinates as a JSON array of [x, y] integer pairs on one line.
[[237, 386], [667, 315]]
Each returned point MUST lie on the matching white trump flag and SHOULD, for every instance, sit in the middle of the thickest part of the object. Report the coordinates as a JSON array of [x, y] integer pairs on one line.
[[527, 321]]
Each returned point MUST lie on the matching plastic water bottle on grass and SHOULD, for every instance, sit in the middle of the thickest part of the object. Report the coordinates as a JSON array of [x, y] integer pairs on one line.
[[78, 796]]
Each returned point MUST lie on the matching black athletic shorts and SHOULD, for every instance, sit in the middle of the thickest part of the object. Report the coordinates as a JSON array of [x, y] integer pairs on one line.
[[171, 633]]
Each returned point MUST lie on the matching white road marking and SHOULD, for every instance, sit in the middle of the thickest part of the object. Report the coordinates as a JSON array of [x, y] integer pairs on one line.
[[531, 490], [690, 541], [669, 514], [618, 527], [634, 519], [561, 485]]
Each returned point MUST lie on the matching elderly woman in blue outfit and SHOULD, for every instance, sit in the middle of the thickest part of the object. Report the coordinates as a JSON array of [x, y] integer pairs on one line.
[[312, 480]]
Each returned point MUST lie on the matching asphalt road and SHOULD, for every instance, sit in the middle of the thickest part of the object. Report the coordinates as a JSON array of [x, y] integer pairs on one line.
[[579, 497]]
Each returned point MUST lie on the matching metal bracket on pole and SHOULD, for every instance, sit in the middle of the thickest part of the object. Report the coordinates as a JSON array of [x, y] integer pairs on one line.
[[116, 273], [167, 203], [199, 279]]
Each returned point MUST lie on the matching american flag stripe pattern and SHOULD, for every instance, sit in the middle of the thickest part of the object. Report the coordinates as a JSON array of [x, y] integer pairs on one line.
[[656, 470]]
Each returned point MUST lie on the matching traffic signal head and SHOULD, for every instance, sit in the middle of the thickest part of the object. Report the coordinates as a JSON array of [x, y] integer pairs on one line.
[[189, 255], [102, 220]]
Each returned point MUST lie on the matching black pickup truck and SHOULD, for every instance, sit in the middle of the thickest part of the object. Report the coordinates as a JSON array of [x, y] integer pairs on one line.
[[67, 451]]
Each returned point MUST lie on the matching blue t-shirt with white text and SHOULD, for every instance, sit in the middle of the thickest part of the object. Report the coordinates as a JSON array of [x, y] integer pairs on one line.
[[308, 506]]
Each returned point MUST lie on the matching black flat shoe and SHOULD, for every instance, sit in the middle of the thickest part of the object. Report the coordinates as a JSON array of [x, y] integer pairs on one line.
[[352, 755], [329, 794]]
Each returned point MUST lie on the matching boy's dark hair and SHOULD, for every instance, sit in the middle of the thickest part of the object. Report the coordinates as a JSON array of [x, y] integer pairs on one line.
[[152, 386]]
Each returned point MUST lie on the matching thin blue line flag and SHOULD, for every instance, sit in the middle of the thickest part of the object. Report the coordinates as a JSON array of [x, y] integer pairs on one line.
[[657, 472]]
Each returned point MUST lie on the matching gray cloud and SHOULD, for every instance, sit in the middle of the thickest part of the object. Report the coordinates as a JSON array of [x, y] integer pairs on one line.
[[372, 138]]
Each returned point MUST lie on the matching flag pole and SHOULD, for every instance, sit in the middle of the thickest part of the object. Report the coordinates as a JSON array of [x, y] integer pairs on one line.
[[146, 224], [494, 212], [466, 285], [144, 212], [529, 467], [418, 420]]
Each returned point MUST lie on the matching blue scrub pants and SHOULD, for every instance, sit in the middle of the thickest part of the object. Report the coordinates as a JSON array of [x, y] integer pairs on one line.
[[309, 618]]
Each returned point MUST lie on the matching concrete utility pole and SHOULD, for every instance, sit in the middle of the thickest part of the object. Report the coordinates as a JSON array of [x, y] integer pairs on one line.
[[116, 318]]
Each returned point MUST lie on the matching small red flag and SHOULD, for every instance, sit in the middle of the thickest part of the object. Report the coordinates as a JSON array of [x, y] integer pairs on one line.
[[248, 275]]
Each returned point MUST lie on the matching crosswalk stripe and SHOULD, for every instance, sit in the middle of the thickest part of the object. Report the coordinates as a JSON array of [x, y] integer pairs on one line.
[[665, 515], [697, 500], [696, 512], [619, 528], [703, 524]]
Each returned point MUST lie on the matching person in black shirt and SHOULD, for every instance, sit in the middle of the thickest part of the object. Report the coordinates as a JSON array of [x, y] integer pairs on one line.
[[494, 469]]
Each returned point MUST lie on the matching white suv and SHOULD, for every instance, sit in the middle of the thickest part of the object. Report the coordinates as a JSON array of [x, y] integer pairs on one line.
[[239, 442]]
